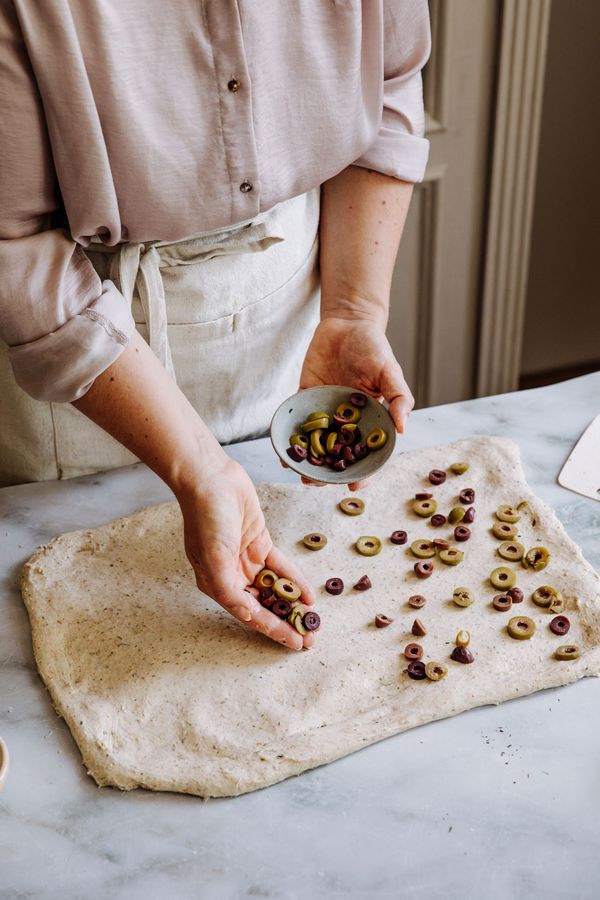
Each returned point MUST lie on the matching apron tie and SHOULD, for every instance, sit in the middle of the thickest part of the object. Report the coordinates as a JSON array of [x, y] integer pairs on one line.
[[139, 266]]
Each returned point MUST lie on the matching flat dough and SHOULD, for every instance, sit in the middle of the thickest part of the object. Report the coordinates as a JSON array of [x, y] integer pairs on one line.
[[162, 689]]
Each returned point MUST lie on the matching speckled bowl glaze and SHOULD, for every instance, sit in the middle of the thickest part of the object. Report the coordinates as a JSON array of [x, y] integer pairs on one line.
[[290, 416], [3, 762]]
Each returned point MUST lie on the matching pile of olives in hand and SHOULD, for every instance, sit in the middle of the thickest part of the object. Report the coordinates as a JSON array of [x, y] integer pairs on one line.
[[335, 440], [282, 597]]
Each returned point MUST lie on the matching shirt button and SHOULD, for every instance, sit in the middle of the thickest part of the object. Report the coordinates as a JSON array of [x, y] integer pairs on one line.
[[245, 187], [234, 85]]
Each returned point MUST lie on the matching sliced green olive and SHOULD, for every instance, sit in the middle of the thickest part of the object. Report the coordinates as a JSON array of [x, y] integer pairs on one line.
[[558, 605], [316, 442], [451, 556], [295, 620], [523, 506], [348, 412], [422, 549], [567, 651], [462, 596], [503, 578], [463, 638], [368, 545], [459, 468], [424, 508], [456, 515], [331, 441], [352, 506], [319, 414], [521, 628], [299, 440], [545, 596], [313, 424], [287, 589], [507, 513], [314, 541], [504, 531], [537, 558], [511, 550], [376, 439], [435, 671], [266, 578]]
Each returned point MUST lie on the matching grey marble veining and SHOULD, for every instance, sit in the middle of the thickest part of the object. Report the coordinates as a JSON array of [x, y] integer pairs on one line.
[[501, 802]]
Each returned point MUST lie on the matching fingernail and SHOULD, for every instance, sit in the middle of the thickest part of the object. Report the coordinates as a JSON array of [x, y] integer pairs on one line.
[[242, 612]]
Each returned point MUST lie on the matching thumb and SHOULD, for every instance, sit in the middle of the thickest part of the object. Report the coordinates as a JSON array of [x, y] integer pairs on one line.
[[397, 393]]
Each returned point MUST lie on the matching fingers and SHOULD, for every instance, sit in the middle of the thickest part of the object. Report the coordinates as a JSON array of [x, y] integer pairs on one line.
[[398, 394], [359, 485], [305, 480], [279, 563]]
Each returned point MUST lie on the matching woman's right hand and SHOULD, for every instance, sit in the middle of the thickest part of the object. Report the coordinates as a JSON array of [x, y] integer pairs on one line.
[[227, 544]]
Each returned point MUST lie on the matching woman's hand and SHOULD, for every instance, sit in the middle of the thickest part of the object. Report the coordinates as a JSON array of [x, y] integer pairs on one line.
[[356, 352], [227, 543]]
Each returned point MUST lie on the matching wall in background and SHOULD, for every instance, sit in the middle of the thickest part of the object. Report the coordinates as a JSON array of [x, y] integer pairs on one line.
[[562, 320]]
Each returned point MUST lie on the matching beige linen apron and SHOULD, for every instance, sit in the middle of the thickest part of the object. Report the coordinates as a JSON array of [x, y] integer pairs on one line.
[[229, 314]]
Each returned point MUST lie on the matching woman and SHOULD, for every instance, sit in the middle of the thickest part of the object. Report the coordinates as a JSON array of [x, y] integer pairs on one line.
[[178, 172]]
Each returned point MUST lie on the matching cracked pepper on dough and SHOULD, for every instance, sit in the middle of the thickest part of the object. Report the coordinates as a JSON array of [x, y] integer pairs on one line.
[[162, 689]]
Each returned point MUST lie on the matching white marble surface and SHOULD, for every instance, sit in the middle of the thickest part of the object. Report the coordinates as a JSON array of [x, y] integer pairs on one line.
[[501, 802]]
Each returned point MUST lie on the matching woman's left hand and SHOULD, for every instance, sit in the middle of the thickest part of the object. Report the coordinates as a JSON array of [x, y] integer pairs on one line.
[[356, 352]]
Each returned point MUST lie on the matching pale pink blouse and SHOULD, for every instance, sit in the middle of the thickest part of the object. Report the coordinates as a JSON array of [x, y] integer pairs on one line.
[[139, 120]]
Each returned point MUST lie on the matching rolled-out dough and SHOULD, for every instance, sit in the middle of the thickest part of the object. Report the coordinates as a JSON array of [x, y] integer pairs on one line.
[[163, 689]]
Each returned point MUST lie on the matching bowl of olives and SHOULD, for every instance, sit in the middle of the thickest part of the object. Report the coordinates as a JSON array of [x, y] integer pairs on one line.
[[333, 434]]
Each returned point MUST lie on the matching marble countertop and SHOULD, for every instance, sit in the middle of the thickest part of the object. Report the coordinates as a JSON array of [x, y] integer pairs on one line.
[[500, 802]]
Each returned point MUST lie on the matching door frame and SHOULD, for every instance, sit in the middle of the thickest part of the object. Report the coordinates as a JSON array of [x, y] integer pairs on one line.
[[515, 141]]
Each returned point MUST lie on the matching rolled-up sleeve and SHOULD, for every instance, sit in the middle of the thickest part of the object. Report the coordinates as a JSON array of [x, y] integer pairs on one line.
[[63, 325], [400, 149]]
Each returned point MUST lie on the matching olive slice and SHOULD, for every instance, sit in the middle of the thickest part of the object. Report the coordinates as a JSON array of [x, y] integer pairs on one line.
[[398, 537], [437, 520], [416, 670], [313, 424], [413, 651], [462, 533], [422, 549], [424, 508], [287, 589], [363, 583], [266, 578], [299, 440], [418, 629], [347, 412], [435, 671], [368, 545], [417, 601], [382, 621], [462, 655], [506, 513], [451, 556], [311, 620], [334, 586], [502, 602], [462, 596], [504, 531], [330, 443], [558, 605], [467, 496], [295, 619], [567, 651], [423, 568], [456, 514], [314, 541], [281, 607], [537, 558], [359, 400], [515, 594], [437, 476], [376, 439], [352, 506], [511, 550], [316, 442], [463, 638], [559, 625], [521, 628], [544, 596], [459, 468], [503, 577]]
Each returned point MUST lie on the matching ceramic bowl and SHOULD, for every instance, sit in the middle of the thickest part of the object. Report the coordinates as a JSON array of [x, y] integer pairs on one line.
[[290, 416]]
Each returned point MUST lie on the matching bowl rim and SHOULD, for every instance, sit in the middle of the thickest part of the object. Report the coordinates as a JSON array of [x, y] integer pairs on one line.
[[4, 761], [350, 476]]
